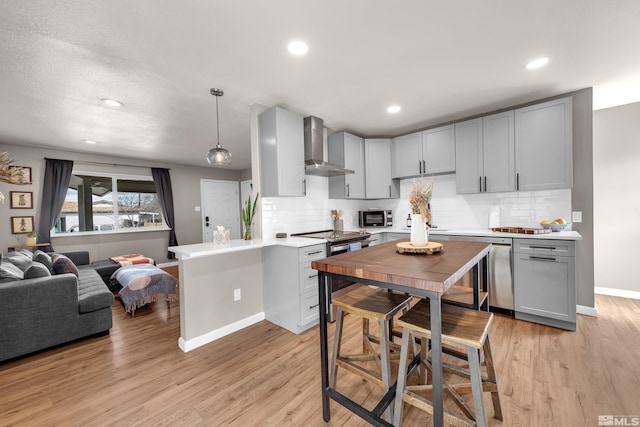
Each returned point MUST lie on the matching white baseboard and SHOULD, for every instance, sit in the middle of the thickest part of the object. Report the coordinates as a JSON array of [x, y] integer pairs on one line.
[[617, 292], [586, 310], [188, 345]]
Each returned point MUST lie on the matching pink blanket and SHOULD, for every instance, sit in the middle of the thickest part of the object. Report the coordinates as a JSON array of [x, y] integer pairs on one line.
[[132, 259]]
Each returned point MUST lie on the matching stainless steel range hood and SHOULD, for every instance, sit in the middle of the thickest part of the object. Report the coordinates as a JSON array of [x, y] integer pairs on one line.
[[314, 151]]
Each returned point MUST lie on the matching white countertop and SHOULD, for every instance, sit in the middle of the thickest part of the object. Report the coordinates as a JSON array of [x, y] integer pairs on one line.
[[204, 249], [560, 235]]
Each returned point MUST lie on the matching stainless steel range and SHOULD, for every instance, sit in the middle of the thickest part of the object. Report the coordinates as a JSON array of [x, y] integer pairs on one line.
[[339, 242]]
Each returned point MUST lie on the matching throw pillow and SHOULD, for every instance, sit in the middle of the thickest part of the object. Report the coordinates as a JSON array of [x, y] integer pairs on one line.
[[36, 270], [18, 260], [24, 252], [43, 258], [9, 272], [62, 264]]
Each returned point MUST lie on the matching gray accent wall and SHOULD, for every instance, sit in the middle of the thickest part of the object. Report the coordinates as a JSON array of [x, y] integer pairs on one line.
[[186, 193], [616, 171]]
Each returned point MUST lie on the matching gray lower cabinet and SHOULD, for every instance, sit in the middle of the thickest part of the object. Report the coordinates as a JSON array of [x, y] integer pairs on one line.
[[290, 292], [545, 282]]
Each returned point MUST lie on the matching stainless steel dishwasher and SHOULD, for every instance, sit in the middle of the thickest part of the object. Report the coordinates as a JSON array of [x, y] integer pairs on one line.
[[500, 270]]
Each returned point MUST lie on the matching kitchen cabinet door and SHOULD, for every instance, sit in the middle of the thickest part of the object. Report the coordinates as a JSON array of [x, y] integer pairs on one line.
[[407, 150], [439, 150], [345, 149], [281, 142], [485, 160], [498, 155], [469, 161], [544, 145], [544, 282], [378, 182]]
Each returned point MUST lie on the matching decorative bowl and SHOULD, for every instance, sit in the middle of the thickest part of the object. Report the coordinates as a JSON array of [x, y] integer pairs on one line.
[[556, 227]]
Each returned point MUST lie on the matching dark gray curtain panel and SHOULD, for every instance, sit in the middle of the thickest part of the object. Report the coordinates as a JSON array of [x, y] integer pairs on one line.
[[57, 174], [162, 180]]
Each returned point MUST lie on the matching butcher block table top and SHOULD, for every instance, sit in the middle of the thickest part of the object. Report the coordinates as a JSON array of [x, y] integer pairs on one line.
[[382, 263]]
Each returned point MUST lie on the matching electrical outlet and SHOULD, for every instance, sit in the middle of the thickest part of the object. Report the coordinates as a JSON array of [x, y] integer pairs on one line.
[[576, 216], [197, 208], [237, 295]]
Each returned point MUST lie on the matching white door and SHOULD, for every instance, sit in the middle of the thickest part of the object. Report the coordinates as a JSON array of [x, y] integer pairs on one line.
[[220, 206]]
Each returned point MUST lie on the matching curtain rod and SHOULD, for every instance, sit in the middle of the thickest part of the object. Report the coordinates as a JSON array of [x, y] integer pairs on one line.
[[87, 162]]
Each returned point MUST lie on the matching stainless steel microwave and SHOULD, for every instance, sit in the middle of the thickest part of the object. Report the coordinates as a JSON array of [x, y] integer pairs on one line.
[[375, 218]]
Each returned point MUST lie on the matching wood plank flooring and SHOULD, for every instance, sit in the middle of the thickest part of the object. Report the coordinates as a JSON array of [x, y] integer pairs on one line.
[[267, 376]]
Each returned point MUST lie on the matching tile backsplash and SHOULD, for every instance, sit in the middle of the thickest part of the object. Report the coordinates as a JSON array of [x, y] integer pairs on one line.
[[449, 210]]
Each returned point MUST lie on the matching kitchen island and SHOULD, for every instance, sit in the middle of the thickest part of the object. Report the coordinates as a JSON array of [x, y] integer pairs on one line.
[[426, 276]]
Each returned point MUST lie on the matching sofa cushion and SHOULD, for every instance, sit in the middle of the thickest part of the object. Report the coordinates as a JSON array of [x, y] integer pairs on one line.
[[44, 258], [93, 294], [9, 272], [62, 264], [36, 269], [18, 260]]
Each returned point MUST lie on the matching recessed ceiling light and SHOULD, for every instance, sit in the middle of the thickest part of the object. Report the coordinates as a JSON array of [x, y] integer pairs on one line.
[[393, 109], [537, 63], [298, 48], [112, 102], [88, 141]]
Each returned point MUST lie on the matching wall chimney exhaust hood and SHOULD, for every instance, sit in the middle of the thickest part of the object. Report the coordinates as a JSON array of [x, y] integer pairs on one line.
[[314, 151]]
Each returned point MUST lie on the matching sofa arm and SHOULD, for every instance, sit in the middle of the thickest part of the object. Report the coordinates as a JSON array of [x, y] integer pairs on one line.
[[78, 257]]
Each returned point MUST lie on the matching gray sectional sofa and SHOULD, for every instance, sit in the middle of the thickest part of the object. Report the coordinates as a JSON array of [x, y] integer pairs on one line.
[[41, 312]]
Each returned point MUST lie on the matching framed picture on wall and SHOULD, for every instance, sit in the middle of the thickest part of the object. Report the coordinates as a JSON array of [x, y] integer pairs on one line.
[[21, 224], [21, 200], [20, 175]]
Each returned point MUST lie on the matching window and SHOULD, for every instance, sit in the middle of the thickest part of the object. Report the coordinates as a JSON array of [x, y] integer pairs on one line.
[[101, 202]]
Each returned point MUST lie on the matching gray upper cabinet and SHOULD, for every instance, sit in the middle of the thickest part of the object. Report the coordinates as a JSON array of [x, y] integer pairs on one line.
[[378, 182], [429, 152], [485, 154], [281, 141], [544, 145], [345, 149]]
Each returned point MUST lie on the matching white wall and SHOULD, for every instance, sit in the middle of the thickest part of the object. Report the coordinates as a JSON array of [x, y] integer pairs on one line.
[[449, 210], [616, 170]]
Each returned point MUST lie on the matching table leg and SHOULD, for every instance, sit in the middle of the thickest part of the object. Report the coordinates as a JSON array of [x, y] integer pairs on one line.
[[436, 359], [324, 356]]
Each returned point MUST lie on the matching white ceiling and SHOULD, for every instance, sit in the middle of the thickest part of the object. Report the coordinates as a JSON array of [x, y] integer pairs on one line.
[[439, 60]]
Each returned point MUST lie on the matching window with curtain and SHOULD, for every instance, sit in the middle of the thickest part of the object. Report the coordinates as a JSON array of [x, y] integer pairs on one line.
[[101, 202]]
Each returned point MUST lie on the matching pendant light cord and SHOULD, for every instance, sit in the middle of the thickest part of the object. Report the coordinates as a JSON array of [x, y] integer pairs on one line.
[[217, 121]]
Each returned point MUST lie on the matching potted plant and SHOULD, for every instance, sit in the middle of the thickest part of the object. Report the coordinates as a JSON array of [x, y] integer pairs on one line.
[[248, 212], [31, 238]]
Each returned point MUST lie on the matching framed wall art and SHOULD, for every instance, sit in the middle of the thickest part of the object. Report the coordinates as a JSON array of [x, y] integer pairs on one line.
[[21, 224], [20, 175], [21, 199]]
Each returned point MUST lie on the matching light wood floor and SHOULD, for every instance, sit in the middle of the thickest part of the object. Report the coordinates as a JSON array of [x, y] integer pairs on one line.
[[267, 376]]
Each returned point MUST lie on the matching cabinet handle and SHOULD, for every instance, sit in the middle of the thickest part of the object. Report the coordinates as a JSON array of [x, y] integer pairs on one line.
[[420, 166], [389, 191], [304, 187], [311, 307], [485, 183], [480, 182], [540, 258], [311, 277], [313, 253], [543, 247], [348, 192], [424, 166], [518, 181]]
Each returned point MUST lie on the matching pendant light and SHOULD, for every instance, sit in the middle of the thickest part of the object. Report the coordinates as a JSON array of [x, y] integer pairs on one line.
[[218, 156]]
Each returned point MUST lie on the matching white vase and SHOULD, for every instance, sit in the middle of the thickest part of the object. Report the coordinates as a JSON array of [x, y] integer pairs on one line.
[[419, 235]]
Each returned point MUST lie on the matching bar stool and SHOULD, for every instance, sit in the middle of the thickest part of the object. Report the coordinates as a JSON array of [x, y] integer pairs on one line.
[[461, 328], [372, 305]]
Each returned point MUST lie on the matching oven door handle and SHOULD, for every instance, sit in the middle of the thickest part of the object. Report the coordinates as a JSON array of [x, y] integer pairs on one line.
[[345, 247]]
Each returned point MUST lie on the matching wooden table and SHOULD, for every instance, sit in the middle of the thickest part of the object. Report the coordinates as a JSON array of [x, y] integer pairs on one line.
[[35, 245], [427, 276]]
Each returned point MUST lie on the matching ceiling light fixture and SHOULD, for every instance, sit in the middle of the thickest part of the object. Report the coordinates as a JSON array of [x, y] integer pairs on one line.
[[393, 109], [88, 141], [218, 156], [537, 63], [298, 48], [112, 102]]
